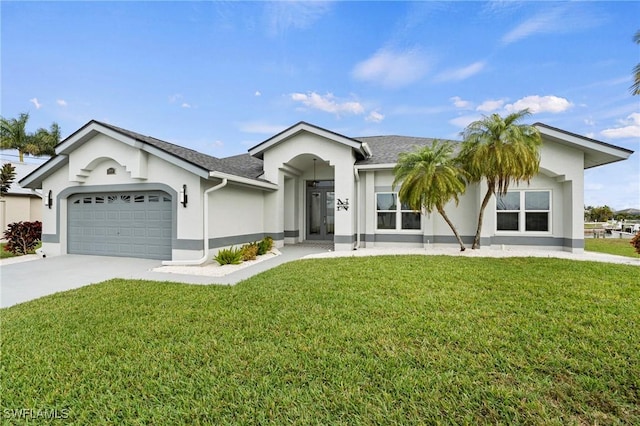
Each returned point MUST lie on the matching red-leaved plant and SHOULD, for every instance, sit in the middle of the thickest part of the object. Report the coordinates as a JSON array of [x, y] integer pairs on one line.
[[22, 237], [635, 242]]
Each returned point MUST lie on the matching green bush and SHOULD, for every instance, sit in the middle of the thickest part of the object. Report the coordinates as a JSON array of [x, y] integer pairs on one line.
[[249, 251], [265, 245], [230, 256]]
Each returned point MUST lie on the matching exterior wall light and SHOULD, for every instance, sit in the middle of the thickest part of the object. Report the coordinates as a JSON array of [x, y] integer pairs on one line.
[[48, 201], [183, 196]]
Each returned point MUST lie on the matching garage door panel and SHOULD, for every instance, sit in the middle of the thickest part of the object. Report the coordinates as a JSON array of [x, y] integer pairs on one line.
[[135, 224]]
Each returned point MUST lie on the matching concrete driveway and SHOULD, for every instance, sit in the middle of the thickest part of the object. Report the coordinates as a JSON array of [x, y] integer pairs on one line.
[[34, 278]]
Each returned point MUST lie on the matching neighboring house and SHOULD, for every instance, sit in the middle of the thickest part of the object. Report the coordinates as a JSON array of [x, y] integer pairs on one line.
[[116, 192], [20, 204]]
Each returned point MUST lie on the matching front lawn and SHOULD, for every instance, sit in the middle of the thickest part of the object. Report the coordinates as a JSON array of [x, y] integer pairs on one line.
[[377, 340], [617, 246]]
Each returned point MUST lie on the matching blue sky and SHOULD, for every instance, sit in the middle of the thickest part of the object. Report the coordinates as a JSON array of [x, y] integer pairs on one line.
[[220, 77]]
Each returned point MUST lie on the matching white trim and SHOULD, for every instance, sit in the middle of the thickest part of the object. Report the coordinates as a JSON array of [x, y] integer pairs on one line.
[[258, 150], [383, 166], [243, 181], [43, 171], [596, 153]]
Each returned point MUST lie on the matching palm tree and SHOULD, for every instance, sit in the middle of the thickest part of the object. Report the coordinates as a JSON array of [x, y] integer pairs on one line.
[[13, 135], [430, 179], [44, 141], [635, 88], [502, 151]]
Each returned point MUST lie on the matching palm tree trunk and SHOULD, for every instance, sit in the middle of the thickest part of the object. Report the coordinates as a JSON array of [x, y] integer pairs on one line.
[[453, 228], [485, 201], [21, 156]]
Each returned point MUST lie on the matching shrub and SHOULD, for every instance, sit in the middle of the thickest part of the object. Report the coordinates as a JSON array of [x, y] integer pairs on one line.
[[230, 256], [635, 242], [22, 237], [265, 245], [249, 251]]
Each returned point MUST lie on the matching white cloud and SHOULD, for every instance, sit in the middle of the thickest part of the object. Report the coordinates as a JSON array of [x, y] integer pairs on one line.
[[375, 117], [461, 73], [464, 120], [490, 105], [61, 102], [328, 103], [392, 69], [458, 102], [260, 127], [257, 93], [538, 104], [35, 102], [185, 105], [630, 128], [563, 19]]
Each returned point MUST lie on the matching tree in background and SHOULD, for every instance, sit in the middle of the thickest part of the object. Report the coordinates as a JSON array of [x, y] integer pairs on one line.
[[501, 151], [635, 88], [46, 141], [7, 176], [599, 213], [13, 135], [430, 179]]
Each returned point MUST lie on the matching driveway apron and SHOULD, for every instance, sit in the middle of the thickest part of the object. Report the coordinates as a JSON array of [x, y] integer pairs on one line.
[[20, 282]]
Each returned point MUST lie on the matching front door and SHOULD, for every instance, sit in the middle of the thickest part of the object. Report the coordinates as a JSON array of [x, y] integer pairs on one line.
[[320, 210]]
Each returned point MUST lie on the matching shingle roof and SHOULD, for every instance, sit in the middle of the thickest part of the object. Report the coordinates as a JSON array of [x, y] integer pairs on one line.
[[240, 165], [385, 149], [205, 161]]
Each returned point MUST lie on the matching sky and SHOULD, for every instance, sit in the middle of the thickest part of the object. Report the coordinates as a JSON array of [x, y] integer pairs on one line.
[[220, 77]]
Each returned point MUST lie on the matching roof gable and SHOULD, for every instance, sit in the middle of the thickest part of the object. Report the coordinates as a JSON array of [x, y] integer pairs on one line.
[[196, 162], [259, 150], [596, 153]]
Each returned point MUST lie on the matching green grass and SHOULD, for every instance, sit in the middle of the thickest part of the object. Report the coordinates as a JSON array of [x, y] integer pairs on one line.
[[617, 246], [7, 254], [3, 253], [378, 340]]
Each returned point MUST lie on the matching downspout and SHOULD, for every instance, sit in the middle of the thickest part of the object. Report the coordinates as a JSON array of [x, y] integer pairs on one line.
[[357, 209], [205, 225]]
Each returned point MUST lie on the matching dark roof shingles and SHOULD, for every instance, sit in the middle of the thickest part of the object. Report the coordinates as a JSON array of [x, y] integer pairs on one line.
[[384, 149], [239, 165]]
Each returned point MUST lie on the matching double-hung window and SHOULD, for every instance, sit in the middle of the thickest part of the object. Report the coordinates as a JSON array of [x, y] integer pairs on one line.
[[394, 215], [524, 211]]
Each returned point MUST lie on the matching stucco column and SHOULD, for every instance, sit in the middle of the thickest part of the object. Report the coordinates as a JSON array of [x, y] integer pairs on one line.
[[344, 238], [274, 201]]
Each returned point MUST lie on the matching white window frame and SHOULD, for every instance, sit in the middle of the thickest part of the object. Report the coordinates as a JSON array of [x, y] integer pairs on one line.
[[398, 212], [522, 214]]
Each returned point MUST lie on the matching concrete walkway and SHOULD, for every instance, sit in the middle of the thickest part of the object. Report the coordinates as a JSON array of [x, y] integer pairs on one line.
[[30, 277]]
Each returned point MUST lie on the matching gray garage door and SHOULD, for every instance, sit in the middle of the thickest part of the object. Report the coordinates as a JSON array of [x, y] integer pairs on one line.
[[132, 224]]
